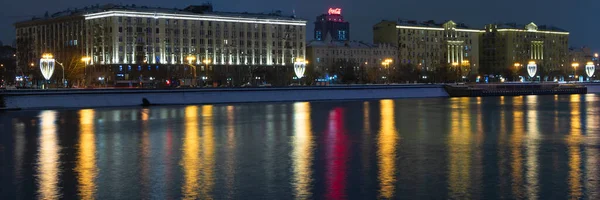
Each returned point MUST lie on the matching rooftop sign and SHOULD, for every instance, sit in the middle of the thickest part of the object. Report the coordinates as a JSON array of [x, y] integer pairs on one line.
[[335, 11]]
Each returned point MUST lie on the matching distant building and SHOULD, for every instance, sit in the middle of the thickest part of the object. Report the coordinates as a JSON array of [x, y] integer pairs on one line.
[[332, 45], [505, 47], [580, 55], [430, 45], [579, 58], [324, 54], [7, 65], [332, 24], [139, 43]]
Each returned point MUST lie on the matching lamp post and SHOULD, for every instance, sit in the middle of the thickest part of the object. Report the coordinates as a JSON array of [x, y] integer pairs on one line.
[[300, 68], [386, 64], [575, 65], [85, 60], [466, 65], [191, 59], [206, 63], [517, 67]]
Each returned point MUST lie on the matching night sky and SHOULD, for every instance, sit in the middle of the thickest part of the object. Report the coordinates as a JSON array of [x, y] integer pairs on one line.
[[577, 16]]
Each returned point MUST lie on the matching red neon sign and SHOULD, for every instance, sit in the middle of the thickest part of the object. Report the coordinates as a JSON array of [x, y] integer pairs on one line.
[[335, 11]]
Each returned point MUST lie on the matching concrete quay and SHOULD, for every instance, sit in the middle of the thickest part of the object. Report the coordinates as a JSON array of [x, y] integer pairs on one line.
[[94, 98]]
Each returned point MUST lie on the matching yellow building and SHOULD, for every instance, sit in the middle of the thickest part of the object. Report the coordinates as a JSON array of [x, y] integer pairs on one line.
[[506, 49], [430, 45]]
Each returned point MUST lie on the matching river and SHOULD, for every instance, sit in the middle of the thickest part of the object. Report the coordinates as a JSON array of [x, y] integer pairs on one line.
[[534, 147]]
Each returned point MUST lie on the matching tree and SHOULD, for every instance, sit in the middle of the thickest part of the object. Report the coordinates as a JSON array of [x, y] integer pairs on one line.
[[74, 69], [345, 70]]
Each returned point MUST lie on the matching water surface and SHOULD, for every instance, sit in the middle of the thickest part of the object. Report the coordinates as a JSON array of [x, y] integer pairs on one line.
[[536, 147]]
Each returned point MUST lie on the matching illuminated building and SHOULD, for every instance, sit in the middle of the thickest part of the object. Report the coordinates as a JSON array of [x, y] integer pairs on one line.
[[582, 57], [506, 46], [140, 43], [333, 25], [430, 45], [327, 49]]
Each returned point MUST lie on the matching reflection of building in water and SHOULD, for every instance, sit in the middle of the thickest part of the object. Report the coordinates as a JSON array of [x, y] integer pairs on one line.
[[460, 150], [19, 154], [387, 141], [516, 144], [366, 140], [86, 156], [145, 148], [48, 167], [574, 141], [198, 171], [337, 155], [592, 184], [191, 161], [532, 146], [302, 153], [230, 150], [208, 151]]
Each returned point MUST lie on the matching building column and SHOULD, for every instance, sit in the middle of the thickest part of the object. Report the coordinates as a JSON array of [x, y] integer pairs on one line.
[[462, 53], [448, 50]]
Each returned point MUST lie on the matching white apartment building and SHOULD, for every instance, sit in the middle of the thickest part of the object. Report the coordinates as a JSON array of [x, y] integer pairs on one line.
[[133, 41]]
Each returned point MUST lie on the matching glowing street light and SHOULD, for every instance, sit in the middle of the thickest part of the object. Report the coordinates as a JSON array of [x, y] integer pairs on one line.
[[190, 59], [300, 67], [47, 65], [517, 65], [206, 61], [531, 68], [590, 69]]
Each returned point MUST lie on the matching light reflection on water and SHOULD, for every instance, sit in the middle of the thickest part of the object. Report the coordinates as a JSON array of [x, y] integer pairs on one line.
[[528, 147], [48, 168]]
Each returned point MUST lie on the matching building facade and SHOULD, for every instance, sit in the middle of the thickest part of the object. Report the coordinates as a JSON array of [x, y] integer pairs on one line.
[[332, 24], [332, 48], [508, 49], [325, 54], [129, 43], [62, 34], [431, 46]]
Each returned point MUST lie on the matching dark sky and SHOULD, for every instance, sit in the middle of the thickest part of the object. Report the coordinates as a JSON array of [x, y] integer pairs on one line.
[[577, 16]]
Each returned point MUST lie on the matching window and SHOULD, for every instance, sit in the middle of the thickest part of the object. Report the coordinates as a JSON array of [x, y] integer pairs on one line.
[[318, 35], [341, 35]]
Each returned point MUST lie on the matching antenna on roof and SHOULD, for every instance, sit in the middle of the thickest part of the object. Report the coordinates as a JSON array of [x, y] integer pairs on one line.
[[293, 13]]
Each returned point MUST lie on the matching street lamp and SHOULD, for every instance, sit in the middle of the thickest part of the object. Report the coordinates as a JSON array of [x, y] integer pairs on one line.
[[574, 65], [191, 59], [300, 67], [590, 69], [531, 68], [47, 65], [386, 63], [517, 66]]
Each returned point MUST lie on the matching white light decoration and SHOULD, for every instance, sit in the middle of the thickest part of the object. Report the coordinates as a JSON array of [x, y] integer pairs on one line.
[[47, 66], [590, 69], [299, 67], [531, 69], [203, 17]]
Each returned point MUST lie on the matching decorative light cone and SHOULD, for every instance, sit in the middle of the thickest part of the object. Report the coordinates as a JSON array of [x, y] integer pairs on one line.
[[531, 69], [299, 68], [590, 69], [47, 67]]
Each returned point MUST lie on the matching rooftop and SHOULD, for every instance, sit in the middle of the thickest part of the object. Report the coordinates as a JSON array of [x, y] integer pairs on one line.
[[429, 23], [204, 9], [513, 25]]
